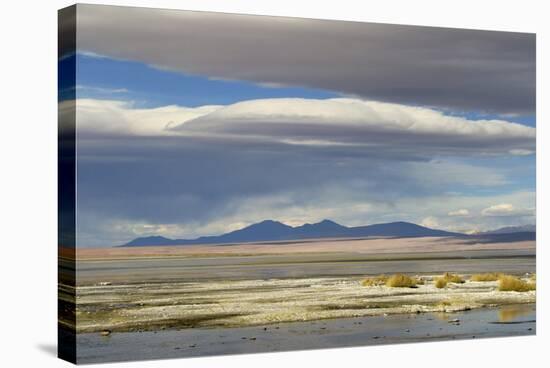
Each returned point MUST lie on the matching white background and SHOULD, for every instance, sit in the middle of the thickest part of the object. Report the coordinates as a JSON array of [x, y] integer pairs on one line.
[[28, 217]]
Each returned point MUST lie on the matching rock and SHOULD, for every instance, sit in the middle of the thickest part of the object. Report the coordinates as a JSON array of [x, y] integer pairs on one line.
[[105, 332], [407, 330], [376, 337], [252, 338], [192, 346]]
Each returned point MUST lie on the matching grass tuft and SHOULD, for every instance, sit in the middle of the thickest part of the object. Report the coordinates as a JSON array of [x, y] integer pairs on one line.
[[440, 282], [452, 278], [513, 283], [400, 280], [490, 276], [375, 281]]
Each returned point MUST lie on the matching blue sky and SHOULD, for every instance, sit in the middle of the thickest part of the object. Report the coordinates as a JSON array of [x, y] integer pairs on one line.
[[102, 77]]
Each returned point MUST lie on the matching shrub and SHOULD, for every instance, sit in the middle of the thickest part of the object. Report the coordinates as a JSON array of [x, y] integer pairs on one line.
[[400, 280], [512, 283], [375, 281], [490, 276], [440, 282], [451, 278]]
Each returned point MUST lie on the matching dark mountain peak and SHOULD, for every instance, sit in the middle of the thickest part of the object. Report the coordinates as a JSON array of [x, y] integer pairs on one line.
[[260, 231], [328, 222], [324, 223], [323, 229], [402, 223], [399, 229], [150, 240], [268, 223]]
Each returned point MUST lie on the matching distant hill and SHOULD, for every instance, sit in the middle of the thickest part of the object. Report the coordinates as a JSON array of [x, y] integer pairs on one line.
[[270, 230], [502, 238], [505, 235], [398, 229], [513, 229]]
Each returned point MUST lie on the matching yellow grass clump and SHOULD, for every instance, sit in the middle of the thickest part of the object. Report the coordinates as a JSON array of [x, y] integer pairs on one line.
[[400, 280], [375, 281], [513, 283], [440, 282], [452, 278], [490, 276]]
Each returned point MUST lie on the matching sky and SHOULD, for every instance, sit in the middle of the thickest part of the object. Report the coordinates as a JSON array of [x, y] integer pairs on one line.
[[195, 123]]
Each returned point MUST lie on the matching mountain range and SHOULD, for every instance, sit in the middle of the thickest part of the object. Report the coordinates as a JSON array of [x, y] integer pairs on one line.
[[270, 230]]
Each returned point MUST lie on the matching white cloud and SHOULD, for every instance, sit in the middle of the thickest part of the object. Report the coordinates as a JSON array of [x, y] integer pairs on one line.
[[379, 127], [370, 115], [521, 152], [430, 222], [100, 89], [459, 213], [121, 117], [506, 209]]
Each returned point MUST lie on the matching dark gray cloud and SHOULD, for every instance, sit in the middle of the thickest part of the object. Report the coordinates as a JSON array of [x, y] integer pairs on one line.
[[194, 182], [455, 68]]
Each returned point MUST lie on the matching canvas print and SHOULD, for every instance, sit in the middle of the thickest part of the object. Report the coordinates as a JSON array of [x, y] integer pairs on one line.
[[240, 184]]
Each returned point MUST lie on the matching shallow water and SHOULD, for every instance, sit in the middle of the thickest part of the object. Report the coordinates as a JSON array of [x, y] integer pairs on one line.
[[480, 323]]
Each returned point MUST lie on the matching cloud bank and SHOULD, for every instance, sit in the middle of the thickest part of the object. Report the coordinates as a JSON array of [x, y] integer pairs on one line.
[[452, 68], [351, 123]]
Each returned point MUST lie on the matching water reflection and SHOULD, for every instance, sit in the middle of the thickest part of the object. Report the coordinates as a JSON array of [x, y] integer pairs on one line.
[[511, 313]]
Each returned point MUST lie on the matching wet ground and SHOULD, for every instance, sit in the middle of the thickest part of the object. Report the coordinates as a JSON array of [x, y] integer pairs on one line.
[[510, 320], [298, 265]]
